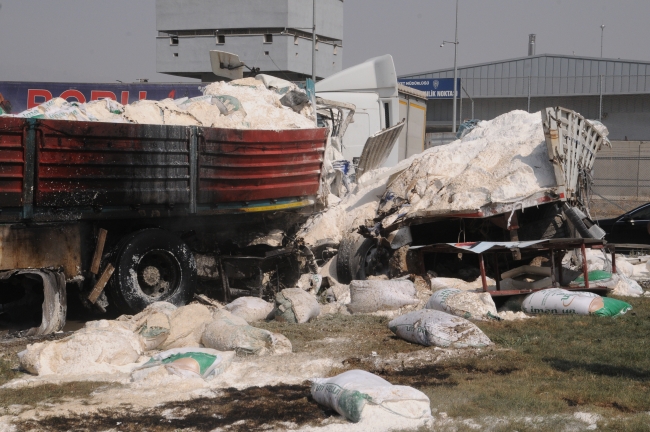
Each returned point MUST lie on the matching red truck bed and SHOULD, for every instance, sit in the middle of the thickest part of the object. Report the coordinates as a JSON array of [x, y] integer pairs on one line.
[[91, 170]]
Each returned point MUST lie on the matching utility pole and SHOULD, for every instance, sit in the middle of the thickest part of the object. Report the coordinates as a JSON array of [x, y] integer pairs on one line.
[[313, 43], [455, 70], [313, 60], [602, 34]]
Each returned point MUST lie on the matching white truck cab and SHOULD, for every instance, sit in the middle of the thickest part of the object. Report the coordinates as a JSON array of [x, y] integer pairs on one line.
[[372, 87]]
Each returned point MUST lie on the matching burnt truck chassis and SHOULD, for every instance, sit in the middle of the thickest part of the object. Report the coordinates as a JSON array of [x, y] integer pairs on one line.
[[561, 212], [148, 213]]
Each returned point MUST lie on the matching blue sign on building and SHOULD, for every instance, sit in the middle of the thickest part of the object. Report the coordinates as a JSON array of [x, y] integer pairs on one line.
[[435, 88]]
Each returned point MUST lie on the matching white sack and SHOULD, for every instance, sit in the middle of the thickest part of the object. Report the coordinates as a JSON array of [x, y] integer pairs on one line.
[[438, 283], [469, 305], [251, 309], [296, 306], [381, 295], [351, 392], [559, 301], [231, 333], [180, 362], [187, 325], [153, 324], [431, 327]]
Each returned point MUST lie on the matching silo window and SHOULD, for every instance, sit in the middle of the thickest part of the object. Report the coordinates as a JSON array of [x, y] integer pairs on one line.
[[221, 39], [268, 38], [173, 40], [175, 54]]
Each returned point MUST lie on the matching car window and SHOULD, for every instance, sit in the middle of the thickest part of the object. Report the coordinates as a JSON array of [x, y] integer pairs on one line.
[[643, 214]]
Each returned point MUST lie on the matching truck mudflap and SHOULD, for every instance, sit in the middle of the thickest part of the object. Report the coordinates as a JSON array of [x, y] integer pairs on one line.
[[54, 299]]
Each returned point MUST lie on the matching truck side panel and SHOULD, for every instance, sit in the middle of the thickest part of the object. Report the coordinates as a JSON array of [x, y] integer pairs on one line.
[[102, 164], [255, 165], [12, 162], [54, 170]]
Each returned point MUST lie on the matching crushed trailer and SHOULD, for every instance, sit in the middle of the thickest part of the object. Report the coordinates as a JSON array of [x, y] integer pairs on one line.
[[146, 210]]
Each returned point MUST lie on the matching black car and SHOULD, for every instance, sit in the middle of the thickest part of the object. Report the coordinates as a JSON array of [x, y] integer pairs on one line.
[[632, 227]]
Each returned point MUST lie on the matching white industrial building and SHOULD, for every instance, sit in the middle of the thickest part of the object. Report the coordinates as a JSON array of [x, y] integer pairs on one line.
[[272, 35], [534, 82]]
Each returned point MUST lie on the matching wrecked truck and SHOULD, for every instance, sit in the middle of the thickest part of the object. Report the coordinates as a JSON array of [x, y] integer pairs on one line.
[[146, 210], [518, 178]]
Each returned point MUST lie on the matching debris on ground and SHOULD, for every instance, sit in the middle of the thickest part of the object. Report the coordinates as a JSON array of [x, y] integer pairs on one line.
[[100, 347], [436, 328], [625, 282], [561, 302], [354, 394]]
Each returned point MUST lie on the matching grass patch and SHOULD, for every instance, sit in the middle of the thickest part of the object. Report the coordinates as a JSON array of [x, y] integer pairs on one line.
[[50, 393], [551, 365], [7, 373], [367, 333]]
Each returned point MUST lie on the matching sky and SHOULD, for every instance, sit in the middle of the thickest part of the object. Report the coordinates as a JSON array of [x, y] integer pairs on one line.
[[105, 41]]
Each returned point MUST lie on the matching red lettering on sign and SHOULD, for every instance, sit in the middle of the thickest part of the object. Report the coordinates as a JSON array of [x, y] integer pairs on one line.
[[32, 94], [142, 95], [125, 98], [98, 94], [74, 94]]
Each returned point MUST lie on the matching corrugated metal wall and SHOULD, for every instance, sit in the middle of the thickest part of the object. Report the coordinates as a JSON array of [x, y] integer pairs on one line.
[[550, 75]]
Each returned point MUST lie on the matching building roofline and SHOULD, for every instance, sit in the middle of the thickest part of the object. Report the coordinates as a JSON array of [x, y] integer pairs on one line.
[[525, 58]]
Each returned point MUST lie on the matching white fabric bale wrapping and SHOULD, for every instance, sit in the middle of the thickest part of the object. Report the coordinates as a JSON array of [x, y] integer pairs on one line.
[[559, 301], [101, 347], [431, 327], [187, 325], [251, 309], [469, 305], [296, 306], [351, 392], [231, 333], [381, 295]]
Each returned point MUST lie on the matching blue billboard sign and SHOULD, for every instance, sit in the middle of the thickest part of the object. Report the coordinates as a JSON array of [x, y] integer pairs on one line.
[[435, 88], [17, 96]]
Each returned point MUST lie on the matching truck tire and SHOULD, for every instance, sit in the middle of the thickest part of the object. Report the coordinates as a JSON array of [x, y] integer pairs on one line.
[[351, 264], [151, 265]]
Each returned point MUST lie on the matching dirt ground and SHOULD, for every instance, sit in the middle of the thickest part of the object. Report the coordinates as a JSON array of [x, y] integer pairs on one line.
[[548, 373]]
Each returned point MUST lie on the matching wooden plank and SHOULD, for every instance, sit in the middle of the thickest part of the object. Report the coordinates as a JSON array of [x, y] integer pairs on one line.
[[99, 250], [101, 283]]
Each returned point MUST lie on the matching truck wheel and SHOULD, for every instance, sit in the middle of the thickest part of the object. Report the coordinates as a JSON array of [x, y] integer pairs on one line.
[[360, 257], [150, 266]]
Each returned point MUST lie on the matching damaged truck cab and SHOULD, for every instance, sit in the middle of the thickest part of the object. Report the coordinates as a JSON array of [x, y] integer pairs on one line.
[[144, 210]]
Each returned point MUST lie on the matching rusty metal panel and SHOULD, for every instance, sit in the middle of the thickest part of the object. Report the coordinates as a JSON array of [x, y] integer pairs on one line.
[[98, 164], [250, 165], [12, 161], [36, 247]]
